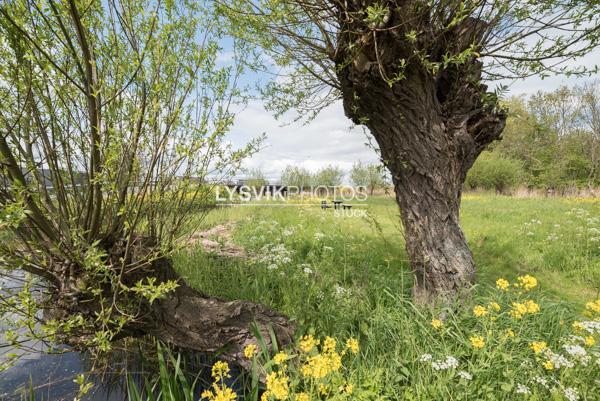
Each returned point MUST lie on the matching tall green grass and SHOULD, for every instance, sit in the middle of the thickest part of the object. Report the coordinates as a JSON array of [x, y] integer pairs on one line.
[[349, 277]]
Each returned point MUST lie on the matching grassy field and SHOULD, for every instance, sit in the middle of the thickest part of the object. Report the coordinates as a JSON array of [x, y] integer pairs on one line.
[[348, 277]]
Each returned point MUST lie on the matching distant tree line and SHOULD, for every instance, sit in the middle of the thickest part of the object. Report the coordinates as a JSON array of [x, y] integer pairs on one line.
[[551, 141], [368, 175]]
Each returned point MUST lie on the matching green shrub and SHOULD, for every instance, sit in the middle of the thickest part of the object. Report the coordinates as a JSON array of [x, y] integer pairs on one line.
[[494, 172]]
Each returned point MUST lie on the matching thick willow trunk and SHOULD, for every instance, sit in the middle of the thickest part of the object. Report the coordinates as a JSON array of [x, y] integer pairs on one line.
[[429, 132], [186, 318], [438, 250], [428, 161], [196, 322]]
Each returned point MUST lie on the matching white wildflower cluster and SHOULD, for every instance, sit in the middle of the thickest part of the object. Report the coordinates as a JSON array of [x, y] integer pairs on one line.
[[523, 389], [319, 236], [592, 223], [578, 353], [576, 339], [558, 360], [578, 212], [571, 394], [306, 268], [449, 363], [275, 255], [465, 375], [288, 231], [341, 291], [542, 382], [591, 326]]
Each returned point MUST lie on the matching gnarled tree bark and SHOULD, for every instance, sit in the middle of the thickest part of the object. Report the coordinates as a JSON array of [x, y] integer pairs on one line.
[[205, 324], [430, 128], [185, 318]]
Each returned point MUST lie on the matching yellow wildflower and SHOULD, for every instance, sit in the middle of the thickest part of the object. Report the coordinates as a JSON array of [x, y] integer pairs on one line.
[[321, 365], [510, 333], [518, 310], [349, 389], [280, 358], [593, 307], [538, 346], [219, 393], [527, 282], [495, 306], [577, 326], [532, 307], [250, 350], [307, 343], [477, 341], [220, 370], [590, 341], [548, 365], [329, 344], [436, 323], [323, 389], [277, 386], [302, 397], [502, 284], [352, 345], [480, 311]]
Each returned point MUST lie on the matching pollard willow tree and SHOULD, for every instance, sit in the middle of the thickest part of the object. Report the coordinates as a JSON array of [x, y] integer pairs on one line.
[[413, 72], [113, 116]]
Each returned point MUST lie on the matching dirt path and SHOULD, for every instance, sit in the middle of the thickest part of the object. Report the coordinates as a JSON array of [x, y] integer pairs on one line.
[[218, 240]]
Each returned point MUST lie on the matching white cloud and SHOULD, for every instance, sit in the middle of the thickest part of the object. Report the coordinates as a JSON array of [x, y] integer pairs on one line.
[[330, 138]]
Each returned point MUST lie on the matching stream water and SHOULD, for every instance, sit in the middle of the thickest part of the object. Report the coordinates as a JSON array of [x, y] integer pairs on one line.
[[51, 376]]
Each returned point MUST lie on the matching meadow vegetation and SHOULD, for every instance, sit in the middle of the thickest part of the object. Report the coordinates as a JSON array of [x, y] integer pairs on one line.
[[529, 331]]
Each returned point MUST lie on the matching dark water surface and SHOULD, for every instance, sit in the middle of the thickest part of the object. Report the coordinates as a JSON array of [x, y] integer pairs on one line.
[[52, 375], [52, 378]]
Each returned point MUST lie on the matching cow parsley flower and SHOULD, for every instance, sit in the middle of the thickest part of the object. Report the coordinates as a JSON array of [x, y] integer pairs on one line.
[[465, 375], [571, 394], [556, 361], [449, 363], [541, 381], [523, 389]]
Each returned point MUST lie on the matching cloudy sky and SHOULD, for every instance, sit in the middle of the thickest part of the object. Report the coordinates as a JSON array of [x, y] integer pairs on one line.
[[330, 138]]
